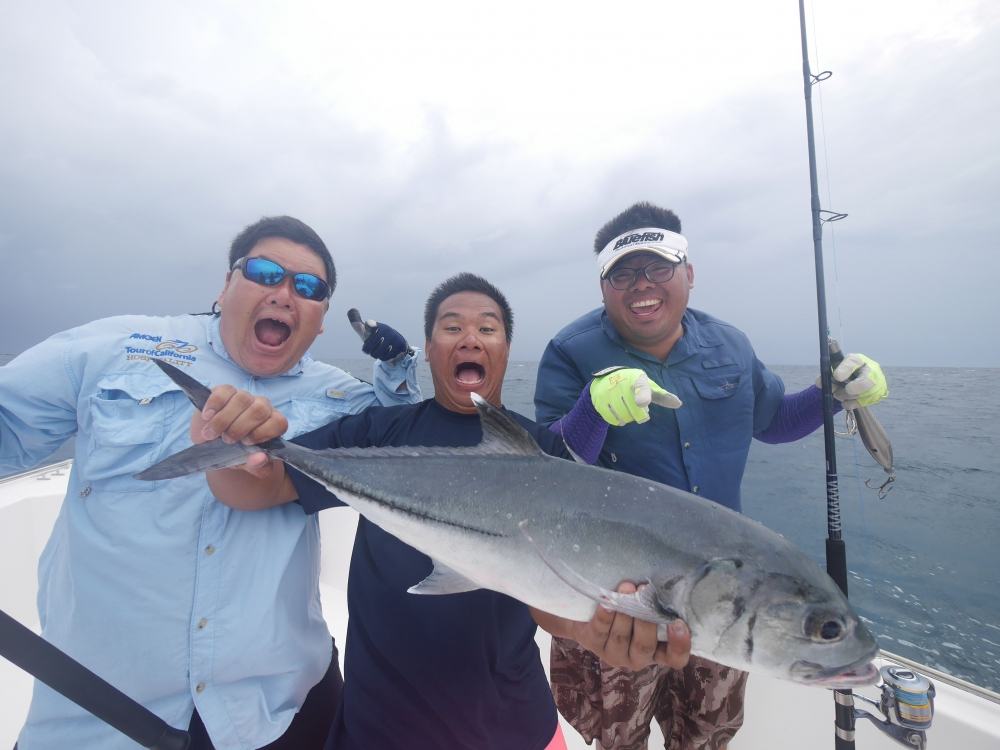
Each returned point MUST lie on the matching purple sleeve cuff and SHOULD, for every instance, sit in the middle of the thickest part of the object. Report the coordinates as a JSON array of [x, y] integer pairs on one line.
[[798, 415], [582, 429]]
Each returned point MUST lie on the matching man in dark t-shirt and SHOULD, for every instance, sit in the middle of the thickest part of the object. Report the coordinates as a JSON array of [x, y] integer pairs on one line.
[[410, 659], [460, 671]]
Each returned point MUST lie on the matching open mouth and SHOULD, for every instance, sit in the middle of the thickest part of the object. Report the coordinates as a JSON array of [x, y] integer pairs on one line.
[[645, 307], [470, 374], [863, 673], [271, 332]]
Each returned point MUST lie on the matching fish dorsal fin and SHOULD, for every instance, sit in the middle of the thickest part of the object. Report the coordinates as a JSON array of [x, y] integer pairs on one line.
[[501, 432], [197, 392], [443, 580], [502, 436]]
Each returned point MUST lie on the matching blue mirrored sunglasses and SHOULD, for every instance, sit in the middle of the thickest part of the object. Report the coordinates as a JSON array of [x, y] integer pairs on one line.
[[261, 270]]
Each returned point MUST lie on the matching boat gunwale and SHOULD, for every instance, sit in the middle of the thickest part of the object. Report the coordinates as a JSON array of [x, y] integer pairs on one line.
[[45, 469]]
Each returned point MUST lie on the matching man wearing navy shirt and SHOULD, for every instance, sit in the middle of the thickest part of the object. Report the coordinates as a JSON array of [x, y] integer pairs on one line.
[[461, 671]]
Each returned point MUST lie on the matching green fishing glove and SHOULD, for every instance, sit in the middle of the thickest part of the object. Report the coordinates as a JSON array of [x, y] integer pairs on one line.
[[623, 394], [859, 381]]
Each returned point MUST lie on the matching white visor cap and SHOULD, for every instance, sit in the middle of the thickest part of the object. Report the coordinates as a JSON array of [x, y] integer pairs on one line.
[[668, 245]]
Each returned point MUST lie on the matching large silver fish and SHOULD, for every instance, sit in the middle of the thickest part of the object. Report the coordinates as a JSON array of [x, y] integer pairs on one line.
[[560, 536]]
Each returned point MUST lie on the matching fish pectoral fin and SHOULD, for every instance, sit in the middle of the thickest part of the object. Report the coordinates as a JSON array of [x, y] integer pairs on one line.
[[443, 580], [640, 604]]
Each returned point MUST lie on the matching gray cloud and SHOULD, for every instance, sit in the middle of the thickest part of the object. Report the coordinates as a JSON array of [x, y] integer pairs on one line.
[[137, 144]]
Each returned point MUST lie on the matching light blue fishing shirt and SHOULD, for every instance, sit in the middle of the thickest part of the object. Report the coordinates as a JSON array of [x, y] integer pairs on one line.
[[701, 447], [171, 596]]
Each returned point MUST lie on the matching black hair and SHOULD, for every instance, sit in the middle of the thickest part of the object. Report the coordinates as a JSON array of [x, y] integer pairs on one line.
[[466, 282], [637, 216], [287, 228]]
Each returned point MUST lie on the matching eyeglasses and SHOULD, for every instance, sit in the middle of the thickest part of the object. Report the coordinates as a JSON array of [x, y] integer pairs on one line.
[[261, 270], [657, 272]]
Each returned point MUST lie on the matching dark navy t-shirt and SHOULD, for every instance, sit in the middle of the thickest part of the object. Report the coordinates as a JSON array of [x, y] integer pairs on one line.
[[451, 672]]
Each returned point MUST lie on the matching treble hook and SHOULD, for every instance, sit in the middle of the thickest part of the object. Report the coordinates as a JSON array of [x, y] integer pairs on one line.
[[883, 489]]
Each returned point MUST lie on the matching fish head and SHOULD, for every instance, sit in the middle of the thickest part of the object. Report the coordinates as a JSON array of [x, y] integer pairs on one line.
[[795, 623]]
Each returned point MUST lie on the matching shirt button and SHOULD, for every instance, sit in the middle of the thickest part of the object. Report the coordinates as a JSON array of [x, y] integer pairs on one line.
[[200, 687], [202, 623], [687, 444], [695, 489], [210, 550], [614, 458], [85, 491]]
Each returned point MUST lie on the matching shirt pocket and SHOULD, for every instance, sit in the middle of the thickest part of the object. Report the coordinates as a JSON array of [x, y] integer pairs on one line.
[[129, 416], [721, 379]]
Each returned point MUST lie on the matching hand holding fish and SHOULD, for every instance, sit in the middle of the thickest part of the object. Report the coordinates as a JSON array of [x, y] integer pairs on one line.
[[238, 416], [623, 394], [620, 640]]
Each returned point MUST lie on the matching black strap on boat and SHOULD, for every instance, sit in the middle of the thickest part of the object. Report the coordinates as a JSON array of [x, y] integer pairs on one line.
[[59, 671], [836, 551]]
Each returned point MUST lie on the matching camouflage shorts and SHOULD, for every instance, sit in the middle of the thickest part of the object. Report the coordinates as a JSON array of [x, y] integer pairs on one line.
[[698, 708]]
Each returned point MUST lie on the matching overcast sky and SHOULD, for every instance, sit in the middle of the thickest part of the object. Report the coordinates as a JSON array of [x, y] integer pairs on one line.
[[421, 139]]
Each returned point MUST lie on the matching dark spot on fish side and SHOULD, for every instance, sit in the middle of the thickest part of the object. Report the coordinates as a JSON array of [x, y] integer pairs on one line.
[[739, 607], [669, 583], [748, 643]]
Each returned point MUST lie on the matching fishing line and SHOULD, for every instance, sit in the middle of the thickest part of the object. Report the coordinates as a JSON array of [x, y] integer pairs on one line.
[[826, 179]]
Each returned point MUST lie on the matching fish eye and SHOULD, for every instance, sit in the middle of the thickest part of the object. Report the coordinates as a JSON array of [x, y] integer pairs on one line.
[[824, 627]]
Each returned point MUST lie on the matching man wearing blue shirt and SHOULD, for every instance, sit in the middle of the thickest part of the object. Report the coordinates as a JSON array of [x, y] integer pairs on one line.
[[461, 671], [728, 396], [155, 586]]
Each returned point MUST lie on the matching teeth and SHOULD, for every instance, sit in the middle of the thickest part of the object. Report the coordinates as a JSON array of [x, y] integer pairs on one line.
[[645, 303]]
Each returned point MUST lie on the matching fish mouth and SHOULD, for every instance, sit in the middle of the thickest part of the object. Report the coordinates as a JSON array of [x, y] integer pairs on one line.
[[271, 332], [862, 672], [470, 374]]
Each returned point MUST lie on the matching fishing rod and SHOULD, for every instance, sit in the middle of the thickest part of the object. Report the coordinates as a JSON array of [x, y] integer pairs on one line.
[[836, 551], [907, 699]]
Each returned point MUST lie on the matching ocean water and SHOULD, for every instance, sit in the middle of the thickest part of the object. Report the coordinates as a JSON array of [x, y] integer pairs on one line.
[[924, 565]]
